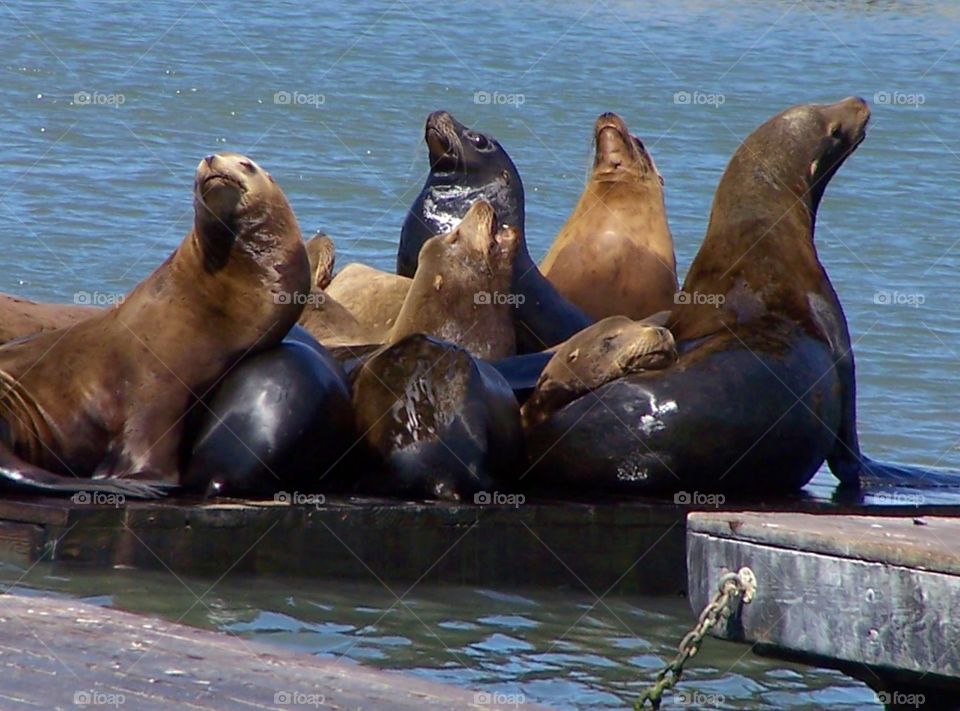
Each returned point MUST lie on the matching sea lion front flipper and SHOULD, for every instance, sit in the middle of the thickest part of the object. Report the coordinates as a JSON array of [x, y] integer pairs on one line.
[[18, 476]]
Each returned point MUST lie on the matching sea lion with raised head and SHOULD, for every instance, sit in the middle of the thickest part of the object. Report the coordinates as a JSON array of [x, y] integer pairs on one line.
[[614, 255], [461, 289], [763, 391], [466, 166], [101, 405], [437, 422], [607, 350]]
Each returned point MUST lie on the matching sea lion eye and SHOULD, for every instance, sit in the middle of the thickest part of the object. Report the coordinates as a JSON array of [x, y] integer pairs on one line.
[[478, 139], [250, 167], [836, 131]]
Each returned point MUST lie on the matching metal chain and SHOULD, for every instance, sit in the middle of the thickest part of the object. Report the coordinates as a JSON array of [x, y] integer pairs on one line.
[[742, 584]]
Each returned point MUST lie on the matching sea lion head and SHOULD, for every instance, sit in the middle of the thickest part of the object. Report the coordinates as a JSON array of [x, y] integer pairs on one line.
[[478, 240], [619, 154], [243, 222], [461, 291], [803, 147], [455, 148]]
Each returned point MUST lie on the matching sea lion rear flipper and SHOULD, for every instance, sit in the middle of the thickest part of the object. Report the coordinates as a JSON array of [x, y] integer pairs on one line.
[[18, 476]]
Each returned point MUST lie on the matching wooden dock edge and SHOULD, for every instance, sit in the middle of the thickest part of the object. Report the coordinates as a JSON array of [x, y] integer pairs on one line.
[[853, 593], [58, 653]]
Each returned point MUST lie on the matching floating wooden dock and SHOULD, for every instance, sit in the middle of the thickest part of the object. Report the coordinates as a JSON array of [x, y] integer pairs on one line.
[[61, 654], [633, 546], [875, 597]]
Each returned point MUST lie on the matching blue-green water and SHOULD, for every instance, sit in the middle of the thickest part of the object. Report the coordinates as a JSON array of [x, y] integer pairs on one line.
[[108, 106]]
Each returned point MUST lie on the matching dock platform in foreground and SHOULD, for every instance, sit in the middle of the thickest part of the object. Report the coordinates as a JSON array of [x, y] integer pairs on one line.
[[626, 546], [876, 597], [61, 654]]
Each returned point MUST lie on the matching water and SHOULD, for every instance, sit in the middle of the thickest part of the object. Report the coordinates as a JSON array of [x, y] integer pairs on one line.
[[108, 107]]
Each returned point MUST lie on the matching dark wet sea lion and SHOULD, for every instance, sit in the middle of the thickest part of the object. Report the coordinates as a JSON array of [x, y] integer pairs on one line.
[[437, 423], [107, 397], [22, 317], [607, 350], [614, 255], [373, 297], [763, 390], [281, 420], [461, 290], [466, 166]]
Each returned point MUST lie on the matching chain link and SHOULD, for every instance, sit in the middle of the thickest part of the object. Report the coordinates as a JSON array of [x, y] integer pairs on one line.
[[743, 585]]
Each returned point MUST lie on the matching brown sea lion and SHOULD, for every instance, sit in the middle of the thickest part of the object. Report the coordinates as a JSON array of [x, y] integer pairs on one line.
[[461, 289], [607, 350], [21, 317], [614, 255], [107, 397], [373, 297], [323, 316], [764, 388], [322, 256]]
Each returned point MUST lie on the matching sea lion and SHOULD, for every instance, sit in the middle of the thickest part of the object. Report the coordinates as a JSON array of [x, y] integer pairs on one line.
[[281, 419], [107, 397], [763, 390], [323, 316], [437, 422], [373, 297], [322, 256], [607, 350], [466, 166], [21, 317], [614, 255], [460, 291]]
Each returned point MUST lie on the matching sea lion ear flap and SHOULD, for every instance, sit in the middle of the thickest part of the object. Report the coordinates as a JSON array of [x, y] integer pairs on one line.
[[658, 319]]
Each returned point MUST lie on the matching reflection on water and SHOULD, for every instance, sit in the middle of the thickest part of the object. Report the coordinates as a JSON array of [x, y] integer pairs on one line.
[[562, 648]]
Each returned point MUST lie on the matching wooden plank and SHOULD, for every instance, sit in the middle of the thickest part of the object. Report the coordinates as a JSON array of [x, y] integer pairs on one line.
[[862, 594], [56, 653], [629, 546]]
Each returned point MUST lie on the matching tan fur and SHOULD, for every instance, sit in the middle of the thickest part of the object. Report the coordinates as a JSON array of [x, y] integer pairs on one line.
[[373, 297], [461, 291], [614, 255], [607, 350], [109, 395]]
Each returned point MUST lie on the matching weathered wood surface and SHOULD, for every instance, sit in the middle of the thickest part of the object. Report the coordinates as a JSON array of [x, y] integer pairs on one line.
[[873, 596], [60, 654], [628, 546]]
